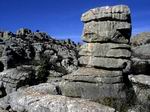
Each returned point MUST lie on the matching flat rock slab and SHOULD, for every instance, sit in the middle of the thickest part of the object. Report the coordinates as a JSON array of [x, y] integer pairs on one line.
[[140, 79], [118, 12], [88, 71], [107, 24], [94, 32], [108, 63], [43, 88], [106, 31], [93, 91], [93, 75], [142, 52], [141, 86], [36, 102], [105, 50]]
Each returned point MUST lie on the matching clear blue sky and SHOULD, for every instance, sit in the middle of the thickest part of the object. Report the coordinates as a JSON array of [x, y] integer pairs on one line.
[[61, 18]]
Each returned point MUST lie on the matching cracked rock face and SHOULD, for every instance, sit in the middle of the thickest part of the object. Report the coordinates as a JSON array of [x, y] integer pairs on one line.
[[107, 24]]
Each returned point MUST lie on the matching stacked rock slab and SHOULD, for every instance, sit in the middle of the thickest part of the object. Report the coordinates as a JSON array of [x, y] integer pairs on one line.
[[104, 58]]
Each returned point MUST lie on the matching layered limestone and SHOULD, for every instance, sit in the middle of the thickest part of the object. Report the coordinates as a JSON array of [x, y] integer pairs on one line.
[[104, 59], [107, 24], [110, 50]]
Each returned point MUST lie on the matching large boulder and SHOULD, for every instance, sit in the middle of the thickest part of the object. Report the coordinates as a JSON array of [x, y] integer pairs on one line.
[[12, 79], [35, 101], [141, 85]]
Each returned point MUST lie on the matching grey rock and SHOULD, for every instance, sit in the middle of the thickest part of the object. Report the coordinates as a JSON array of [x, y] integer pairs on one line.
[[54, 80], [96, 79], [23, 31], [140, 39], [12, 79], [94, 91], [141, 85], [106, 32], [139, 108], [140, 79], [1, 110], [93, 75], [109, 63], [4, 103], [141, 52], [105, 50], [89, 71], [41, 35], [119, 12], [53, 73], [43, 88], [36, 102], [107, 24], [140, 66], [1, 50]]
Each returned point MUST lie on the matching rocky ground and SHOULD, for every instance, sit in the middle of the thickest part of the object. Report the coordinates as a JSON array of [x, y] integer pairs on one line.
[[108, 73]]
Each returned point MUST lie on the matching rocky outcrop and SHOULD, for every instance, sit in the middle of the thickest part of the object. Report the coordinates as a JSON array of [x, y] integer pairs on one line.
[[140, 39], [12, 79], [140, 71], [38, 99], [140, 54], [141, 85], [105, 59], [37, 49]]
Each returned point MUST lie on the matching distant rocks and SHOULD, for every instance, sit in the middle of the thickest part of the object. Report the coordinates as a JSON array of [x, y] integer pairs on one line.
[[140, 54], [140, 39], [39, 50], [140, 71]]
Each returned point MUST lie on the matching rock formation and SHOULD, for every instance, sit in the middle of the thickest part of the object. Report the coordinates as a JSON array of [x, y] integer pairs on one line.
[[140, 71], [104, 59], [108, 74], [29, 58]]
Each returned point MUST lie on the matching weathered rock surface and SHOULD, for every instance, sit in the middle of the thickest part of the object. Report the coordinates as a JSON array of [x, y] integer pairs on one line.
[[36, 69], [92, 75], [12, 79], [114, 12], [26, 47], [108, 63], [141, 52], [97, 29], [94, 91], [141, 85], [140, 70], [105, 50], [140, 39], [105, 58], [35, 101], [140, 66]]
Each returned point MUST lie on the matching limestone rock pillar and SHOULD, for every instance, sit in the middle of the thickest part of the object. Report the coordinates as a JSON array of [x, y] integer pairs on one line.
[[104, 58]]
